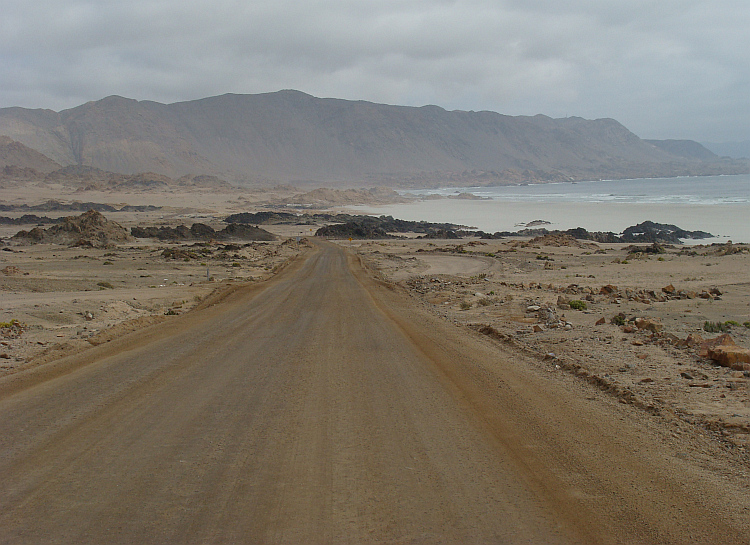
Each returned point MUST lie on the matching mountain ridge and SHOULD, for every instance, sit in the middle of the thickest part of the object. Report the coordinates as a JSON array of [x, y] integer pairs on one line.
[[290, 136]]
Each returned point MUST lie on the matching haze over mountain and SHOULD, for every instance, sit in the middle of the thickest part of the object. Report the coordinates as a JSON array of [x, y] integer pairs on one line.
[[736, 150], [290, 136]]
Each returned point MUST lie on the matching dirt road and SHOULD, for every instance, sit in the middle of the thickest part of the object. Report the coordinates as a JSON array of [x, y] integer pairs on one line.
[[322, 407]]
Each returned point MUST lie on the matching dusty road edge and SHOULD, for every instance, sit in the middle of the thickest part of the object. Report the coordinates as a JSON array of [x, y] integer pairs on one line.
[[54, 363]]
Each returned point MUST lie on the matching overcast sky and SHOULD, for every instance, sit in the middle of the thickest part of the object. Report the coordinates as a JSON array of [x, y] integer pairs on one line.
[[664, 68]]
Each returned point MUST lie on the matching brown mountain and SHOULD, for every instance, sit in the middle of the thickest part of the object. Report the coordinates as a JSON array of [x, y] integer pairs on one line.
[[291, 136], [15, 154]]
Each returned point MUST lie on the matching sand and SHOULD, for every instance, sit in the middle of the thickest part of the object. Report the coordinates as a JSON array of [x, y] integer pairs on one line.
[[68, 299]]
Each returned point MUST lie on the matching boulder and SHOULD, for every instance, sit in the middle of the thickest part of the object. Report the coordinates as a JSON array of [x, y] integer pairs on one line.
[[670, 289], [721, 340], [648, 324], [547, 316], [732, 356]]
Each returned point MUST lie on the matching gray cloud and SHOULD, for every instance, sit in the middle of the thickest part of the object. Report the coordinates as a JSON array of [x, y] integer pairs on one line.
[[668, 69]]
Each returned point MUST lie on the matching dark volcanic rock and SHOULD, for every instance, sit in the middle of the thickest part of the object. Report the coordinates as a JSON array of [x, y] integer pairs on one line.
[[201, 231], [28, 219], [268, 218], [381, 227], [352, 229], [57, 206], [89, 229], [646, 232], [162, 233], [244, 232], [650, 232]]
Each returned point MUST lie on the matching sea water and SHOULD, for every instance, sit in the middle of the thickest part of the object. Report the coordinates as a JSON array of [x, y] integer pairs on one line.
[[719, 205]]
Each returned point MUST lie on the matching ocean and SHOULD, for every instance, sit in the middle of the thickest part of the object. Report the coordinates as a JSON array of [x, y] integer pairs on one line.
[[719, 205]]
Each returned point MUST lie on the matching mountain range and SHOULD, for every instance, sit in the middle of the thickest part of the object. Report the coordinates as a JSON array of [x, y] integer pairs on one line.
[[290, 136]]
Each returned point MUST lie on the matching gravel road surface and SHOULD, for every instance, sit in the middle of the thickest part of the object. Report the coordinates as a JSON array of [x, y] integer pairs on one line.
[[323, 406]]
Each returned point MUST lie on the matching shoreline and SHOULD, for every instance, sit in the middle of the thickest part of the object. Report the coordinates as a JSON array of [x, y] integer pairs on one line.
[[494, 215], [715, 204]]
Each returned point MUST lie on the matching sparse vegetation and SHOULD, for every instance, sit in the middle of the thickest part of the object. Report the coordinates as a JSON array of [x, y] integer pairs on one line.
[[465, 305], [578, 305], [618, 320], [105, 285], [719, 327], [11, 324]]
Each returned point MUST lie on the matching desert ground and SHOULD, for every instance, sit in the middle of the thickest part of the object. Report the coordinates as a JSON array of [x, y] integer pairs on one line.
[[65, 296], [615, 325], [518, 292]]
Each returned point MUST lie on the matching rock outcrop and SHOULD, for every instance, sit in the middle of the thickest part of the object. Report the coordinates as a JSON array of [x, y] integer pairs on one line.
[[89, 229], [201, 231]]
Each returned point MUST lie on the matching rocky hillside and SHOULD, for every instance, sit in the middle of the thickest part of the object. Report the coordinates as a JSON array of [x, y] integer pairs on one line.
[[291, 136], [16, 156]]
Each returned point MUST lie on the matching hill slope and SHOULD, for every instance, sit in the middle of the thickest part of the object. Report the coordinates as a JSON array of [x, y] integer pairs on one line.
[[291, 136], [685, 148], [15, 154]]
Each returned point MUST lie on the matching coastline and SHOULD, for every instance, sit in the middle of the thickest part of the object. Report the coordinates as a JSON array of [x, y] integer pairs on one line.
[[723, 221], [714, 204]]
